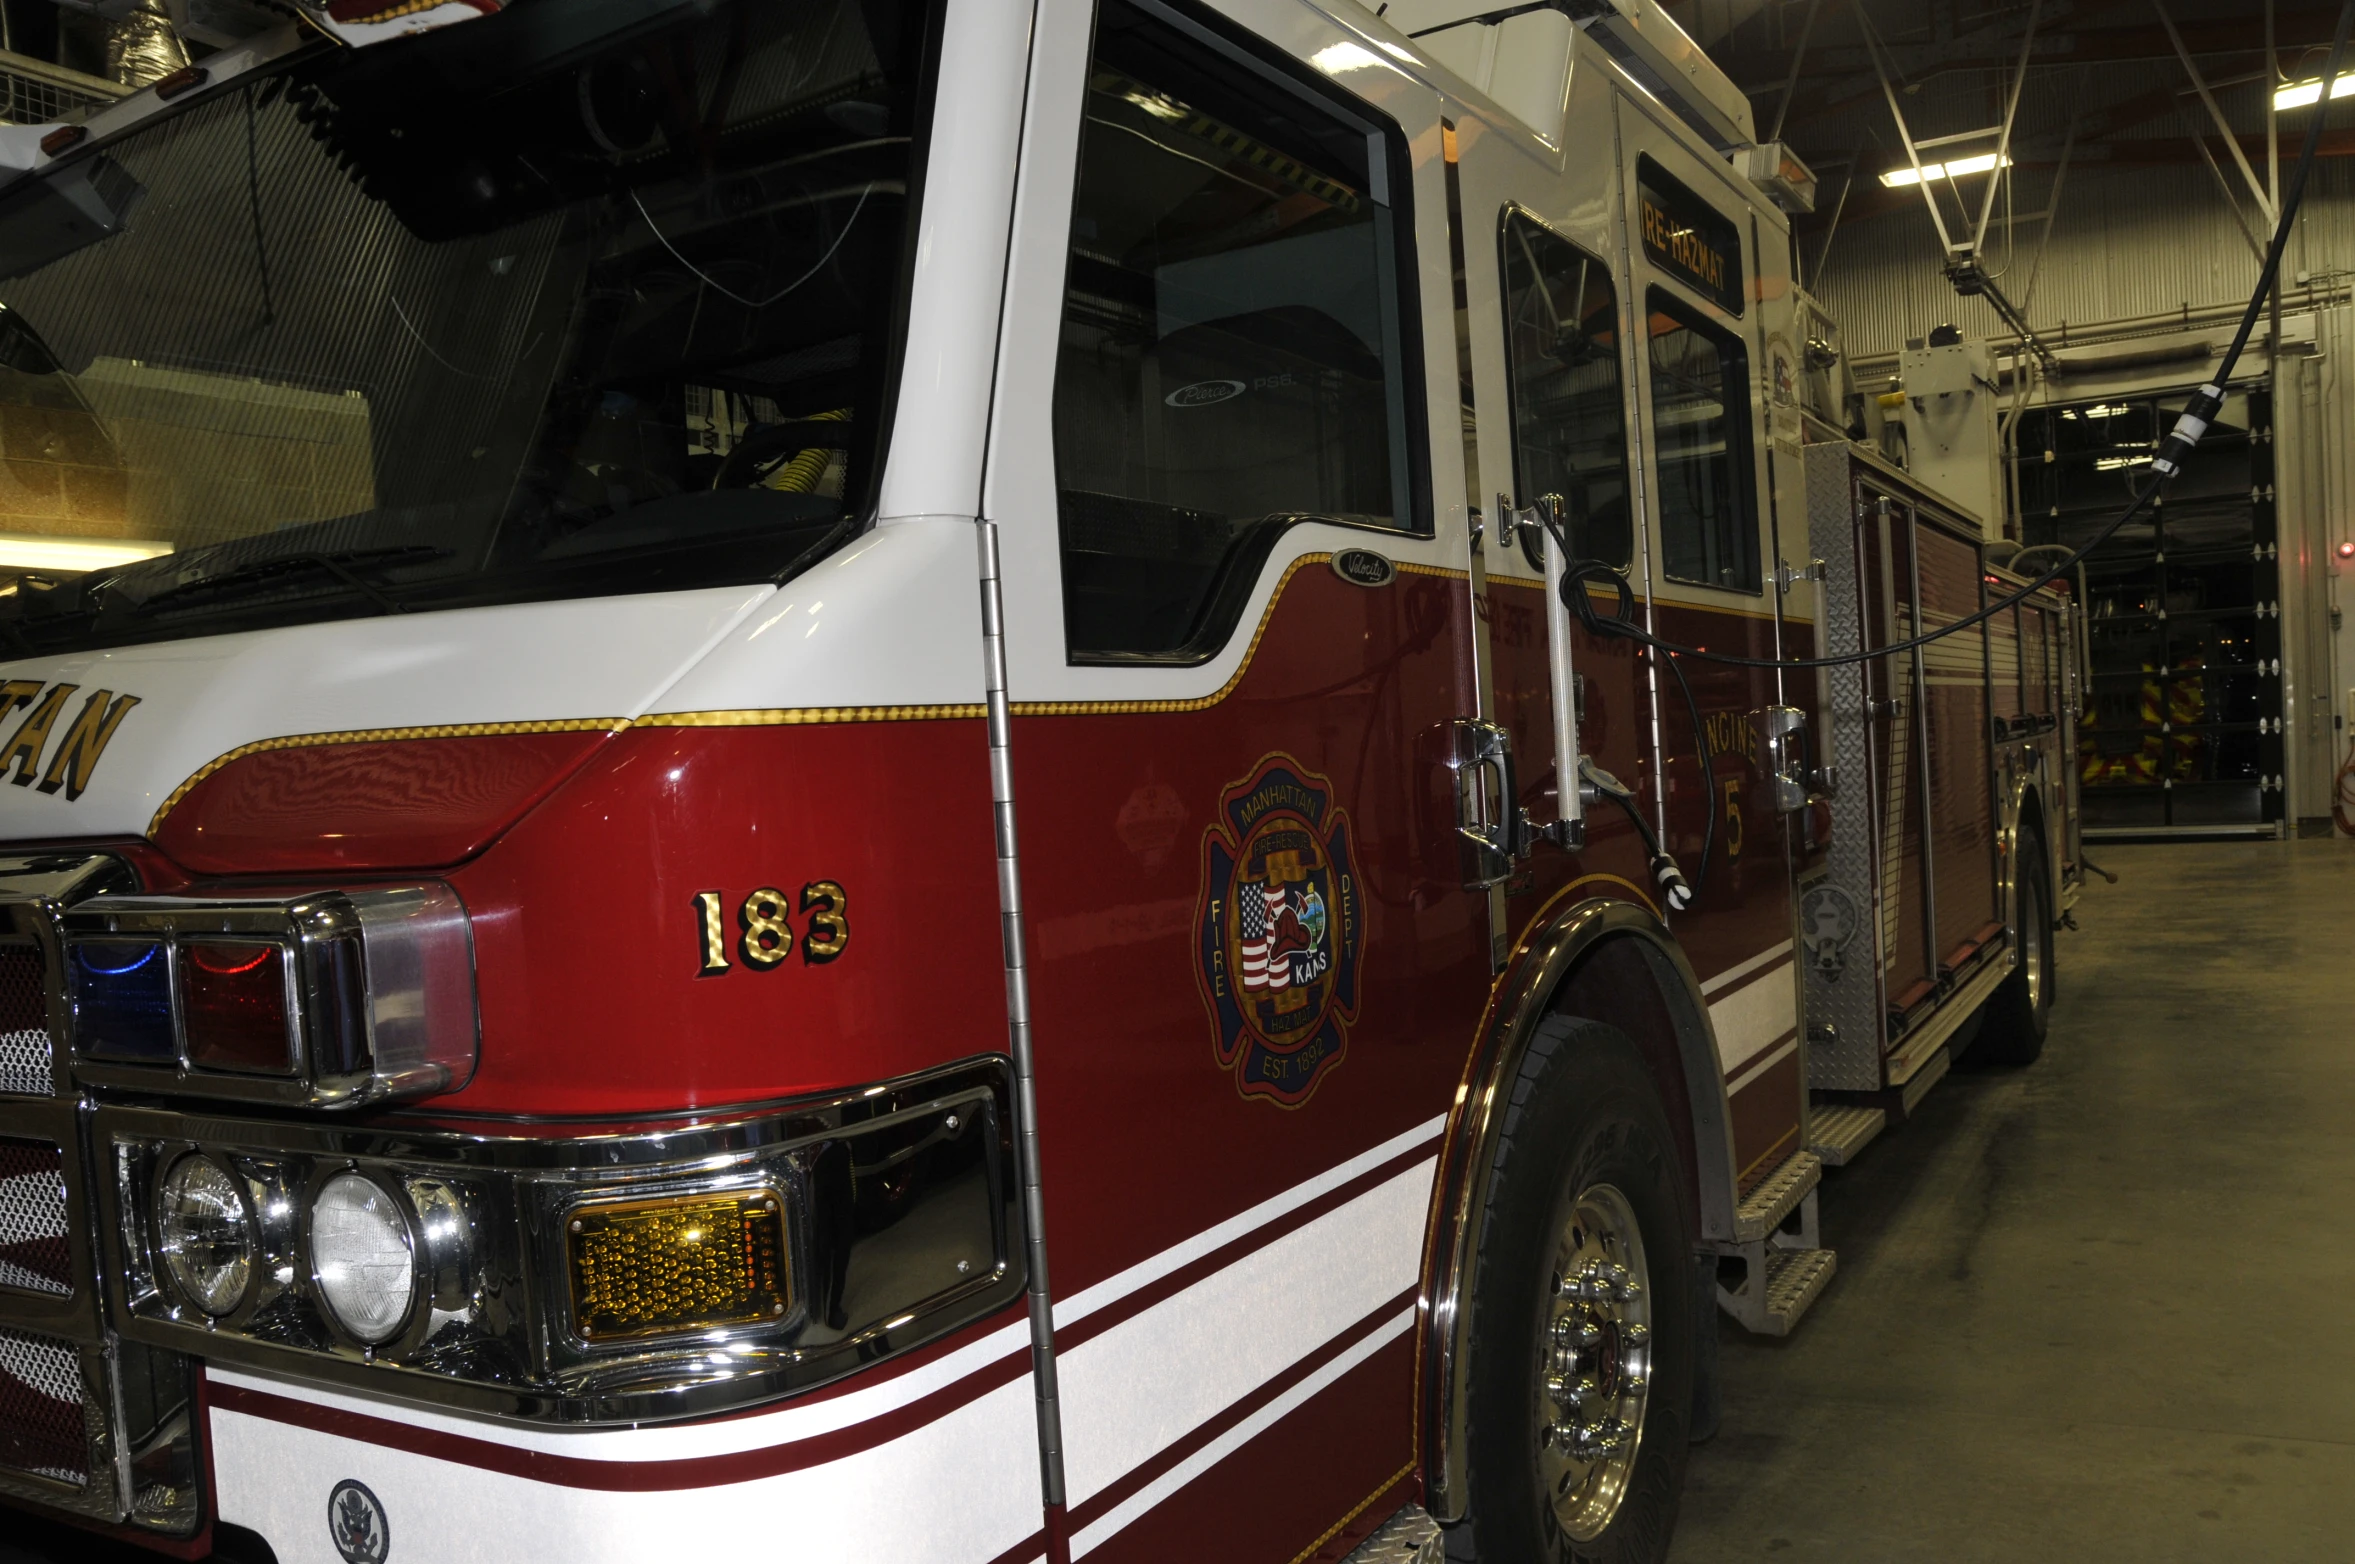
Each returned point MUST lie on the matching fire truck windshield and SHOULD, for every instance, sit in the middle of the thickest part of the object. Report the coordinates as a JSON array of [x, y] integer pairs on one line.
[[559, 302]]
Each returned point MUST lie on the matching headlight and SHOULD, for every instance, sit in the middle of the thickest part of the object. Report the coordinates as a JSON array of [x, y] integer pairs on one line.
[[206, 1233], [620, 1275], [363, 1257]]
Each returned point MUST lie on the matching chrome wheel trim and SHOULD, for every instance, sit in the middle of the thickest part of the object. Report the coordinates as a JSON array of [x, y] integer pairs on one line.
[[2036, 936], [1594, 1363]]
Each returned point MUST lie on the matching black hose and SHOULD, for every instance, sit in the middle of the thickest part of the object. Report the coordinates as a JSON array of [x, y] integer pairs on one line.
[[1623, 624]]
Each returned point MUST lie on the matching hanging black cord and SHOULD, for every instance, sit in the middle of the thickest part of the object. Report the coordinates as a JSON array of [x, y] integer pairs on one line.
[[2189, 427], [1678, 893]]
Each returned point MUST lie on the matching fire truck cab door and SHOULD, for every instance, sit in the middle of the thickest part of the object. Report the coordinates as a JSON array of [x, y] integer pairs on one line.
[[1697, 291], [1225, 478]]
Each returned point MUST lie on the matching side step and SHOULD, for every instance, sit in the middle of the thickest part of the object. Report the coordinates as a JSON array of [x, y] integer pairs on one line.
[[1840, 1133], [1409, 1537], [1782, 1272], [1777, 1196], [1793, 1278]]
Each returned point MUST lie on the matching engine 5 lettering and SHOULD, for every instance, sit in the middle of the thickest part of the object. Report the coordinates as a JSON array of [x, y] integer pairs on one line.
[[765, 936]]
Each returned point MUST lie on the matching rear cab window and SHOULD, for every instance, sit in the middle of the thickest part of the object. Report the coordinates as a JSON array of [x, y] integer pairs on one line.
[[1700, 389]]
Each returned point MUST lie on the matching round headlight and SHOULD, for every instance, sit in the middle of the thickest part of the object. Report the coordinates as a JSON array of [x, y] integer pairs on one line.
[[362, 1258], [206, 1232]]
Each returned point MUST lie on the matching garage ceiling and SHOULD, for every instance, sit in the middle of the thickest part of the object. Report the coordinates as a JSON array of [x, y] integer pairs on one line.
[[2106, 84]]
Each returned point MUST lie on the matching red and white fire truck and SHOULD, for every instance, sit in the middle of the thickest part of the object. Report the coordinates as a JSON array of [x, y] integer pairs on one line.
[[691, 683]]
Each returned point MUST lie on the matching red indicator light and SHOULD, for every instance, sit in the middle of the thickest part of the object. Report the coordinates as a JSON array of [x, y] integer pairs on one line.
[[233, 1006], [180, 81], [62, 139], [2347, 549]]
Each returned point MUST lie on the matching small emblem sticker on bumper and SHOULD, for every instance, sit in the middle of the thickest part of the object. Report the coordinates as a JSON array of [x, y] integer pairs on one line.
[[356, 1524]]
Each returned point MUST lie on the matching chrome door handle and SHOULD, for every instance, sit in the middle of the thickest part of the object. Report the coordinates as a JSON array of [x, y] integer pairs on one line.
[[1491, 825]]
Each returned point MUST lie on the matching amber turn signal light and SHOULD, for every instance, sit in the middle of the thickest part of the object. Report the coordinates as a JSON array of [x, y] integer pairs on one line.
[[688, 1262]]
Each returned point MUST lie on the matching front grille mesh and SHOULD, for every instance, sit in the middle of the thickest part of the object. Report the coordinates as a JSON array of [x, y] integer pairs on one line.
[[25, 1047], [33, 1252], [42, 1428]]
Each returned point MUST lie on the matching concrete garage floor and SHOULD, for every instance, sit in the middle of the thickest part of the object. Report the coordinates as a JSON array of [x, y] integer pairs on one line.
[[2102, 1308]]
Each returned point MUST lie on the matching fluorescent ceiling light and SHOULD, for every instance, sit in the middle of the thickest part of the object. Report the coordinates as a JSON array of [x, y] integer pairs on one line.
[[2118, 463], [1985, 161], [30, 551], [2298, 94]]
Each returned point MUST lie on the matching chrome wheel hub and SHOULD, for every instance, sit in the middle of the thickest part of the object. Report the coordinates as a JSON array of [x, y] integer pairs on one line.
[[1594, 1363]]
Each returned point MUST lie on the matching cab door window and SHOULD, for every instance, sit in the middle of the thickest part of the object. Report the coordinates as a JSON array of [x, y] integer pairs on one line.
[[1569, 421], [1701, 434], [1231, 359]]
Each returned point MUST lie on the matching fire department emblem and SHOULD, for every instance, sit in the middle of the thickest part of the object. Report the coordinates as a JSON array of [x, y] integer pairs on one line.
[[1278, 930]]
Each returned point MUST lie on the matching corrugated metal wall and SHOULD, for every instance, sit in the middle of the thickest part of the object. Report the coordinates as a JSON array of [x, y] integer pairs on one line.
[[2126, 242]]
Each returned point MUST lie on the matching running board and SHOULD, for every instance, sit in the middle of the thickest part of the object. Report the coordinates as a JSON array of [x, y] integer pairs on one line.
[[1918, 1085], [1409, 1537], [1840, 1133]]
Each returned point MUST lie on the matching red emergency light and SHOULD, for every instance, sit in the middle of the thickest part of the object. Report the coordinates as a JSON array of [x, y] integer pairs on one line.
[[233, 1007]]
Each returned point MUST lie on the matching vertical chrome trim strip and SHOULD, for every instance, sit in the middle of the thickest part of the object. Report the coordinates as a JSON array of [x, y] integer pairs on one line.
[[1633, 312], [1026, 1147], [1477, 528]]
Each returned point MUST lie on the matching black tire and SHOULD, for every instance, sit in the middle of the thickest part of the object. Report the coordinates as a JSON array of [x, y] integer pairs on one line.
[[1584, 1124], [2012, 1028]]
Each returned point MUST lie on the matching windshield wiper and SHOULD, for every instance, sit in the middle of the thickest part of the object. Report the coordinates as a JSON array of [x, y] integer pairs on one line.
[[343, 565]]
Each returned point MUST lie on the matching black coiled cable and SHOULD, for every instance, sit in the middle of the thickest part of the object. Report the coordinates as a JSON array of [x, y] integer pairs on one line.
[[1673, 886]]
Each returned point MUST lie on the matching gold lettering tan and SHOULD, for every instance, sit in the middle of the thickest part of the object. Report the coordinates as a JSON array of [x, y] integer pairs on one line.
[[78, 752], [24, 749]]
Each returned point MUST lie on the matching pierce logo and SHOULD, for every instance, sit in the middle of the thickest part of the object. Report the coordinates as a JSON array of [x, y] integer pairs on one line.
[[356, 1524], [1278, 930], [1203, 393]]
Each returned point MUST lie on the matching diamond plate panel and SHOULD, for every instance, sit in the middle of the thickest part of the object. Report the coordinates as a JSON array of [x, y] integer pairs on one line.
[[1840, 915], [1409, 1537]]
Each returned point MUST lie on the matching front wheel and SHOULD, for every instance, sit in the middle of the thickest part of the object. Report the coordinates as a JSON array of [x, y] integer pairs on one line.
[[1580, 1379], [2019, 1013]]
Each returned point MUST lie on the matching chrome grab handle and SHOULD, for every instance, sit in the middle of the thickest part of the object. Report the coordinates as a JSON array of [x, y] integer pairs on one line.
[[1782, 734], [1490, 823]]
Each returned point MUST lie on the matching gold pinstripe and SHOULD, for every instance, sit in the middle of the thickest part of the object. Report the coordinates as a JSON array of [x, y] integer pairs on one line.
[[1360, 1508], [789, 716], [769, 717], [801, 716], [455, 730]]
